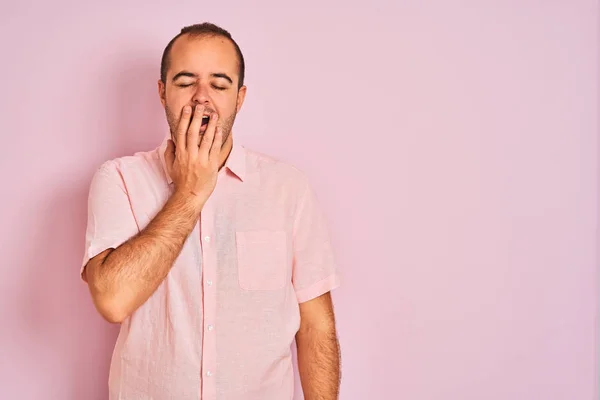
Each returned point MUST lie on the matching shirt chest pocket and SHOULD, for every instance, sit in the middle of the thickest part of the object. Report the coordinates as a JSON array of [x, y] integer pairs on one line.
[[262, 258]]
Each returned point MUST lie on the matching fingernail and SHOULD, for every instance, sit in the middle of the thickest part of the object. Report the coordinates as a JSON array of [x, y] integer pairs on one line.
[[187, 109]]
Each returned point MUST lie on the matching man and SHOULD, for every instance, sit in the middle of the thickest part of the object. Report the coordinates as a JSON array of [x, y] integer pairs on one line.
[[212, 257]]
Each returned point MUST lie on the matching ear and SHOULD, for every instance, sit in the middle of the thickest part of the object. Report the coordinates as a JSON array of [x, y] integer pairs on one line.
[[240, 98], [162, 93]]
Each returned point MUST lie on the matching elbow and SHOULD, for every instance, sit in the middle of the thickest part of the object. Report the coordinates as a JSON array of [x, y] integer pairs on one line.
[[109, 305], [111, 310], [114, 315], [108, 302]]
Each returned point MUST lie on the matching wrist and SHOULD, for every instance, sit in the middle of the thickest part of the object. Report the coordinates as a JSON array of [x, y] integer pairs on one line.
[[189, 200]]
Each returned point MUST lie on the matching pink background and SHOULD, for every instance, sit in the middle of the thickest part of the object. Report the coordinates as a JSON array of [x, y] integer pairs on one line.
[[454, 146]]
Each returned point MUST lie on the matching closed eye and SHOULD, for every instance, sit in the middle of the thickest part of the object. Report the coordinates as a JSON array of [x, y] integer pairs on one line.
[[184, 85]]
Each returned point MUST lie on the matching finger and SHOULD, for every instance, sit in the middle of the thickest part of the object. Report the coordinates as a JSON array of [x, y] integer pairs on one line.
[[170, 157], [215, 150], [208, 137], [182, 128], [193, 134]]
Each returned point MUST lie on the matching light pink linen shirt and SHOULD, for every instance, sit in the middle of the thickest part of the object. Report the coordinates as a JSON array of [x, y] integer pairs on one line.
[[221, 325]]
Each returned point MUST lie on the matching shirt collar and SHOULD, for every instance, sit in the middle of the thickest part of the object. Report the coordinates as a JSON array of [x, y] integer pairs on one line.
[[236, 162]]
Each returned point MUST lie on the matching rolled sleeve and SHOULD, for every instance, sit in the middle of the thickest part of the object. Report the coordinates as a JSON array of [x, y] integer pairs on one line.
[[314, 267], [110, 221]]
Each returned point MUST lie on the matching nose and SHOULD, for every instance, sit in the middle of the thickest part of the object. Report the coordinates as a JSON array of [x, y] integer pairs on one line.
[[201, 96]]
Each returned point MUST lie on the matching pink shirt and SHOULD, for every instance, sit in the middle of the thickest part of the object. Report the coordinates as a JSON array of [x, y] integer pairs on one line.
[[222, 323]]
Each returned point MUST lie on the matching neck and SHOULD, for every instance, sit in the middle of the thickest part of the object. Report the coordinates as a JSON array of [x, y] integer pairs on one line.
[[225, 151]]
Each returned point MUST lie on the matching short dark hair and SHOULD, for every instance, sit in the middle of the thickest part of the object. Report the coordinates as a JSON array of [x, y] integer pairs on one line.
[[203, 29]]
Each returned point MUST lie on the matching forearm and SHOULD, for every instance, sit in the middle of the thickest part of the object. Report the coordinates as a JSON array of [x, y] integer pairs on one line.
[[319, 364], [129, 274]]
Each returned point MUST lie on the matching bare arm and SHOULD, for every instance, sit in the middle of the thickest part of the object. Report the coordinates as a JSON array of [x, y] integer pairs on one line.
[[318, 350], [122, 279]]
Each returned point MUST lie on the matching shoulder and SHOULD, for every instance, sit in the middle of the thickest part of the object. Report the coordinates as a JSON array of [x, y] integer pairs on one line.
[[276, 170], [124, 168]]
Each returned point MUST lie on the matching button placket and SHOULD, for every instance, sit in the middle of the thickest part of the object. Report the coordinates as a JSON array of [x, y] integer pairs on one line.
[[209, 291]]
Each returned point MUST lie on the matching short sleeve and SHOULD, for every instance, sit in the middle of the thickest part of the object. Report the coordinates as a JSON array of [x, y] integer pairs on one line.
[[110, 221], [314, 267]]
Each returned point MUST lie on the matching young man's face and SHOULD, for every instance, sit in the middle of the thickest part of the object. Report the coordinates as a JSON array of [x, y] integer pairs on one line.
[[203, 70]]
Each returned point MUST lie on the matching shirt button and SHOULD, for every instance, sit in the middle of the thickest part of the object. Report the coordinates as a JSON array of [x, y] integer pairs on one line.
[[207, 238], [208, 373], [210, 327], [209, 282]]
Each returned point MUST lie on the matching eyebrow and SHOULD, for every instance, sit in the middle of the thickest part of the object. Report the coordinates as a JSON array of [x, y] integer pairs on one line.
[[192, 75], [221, 75]]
